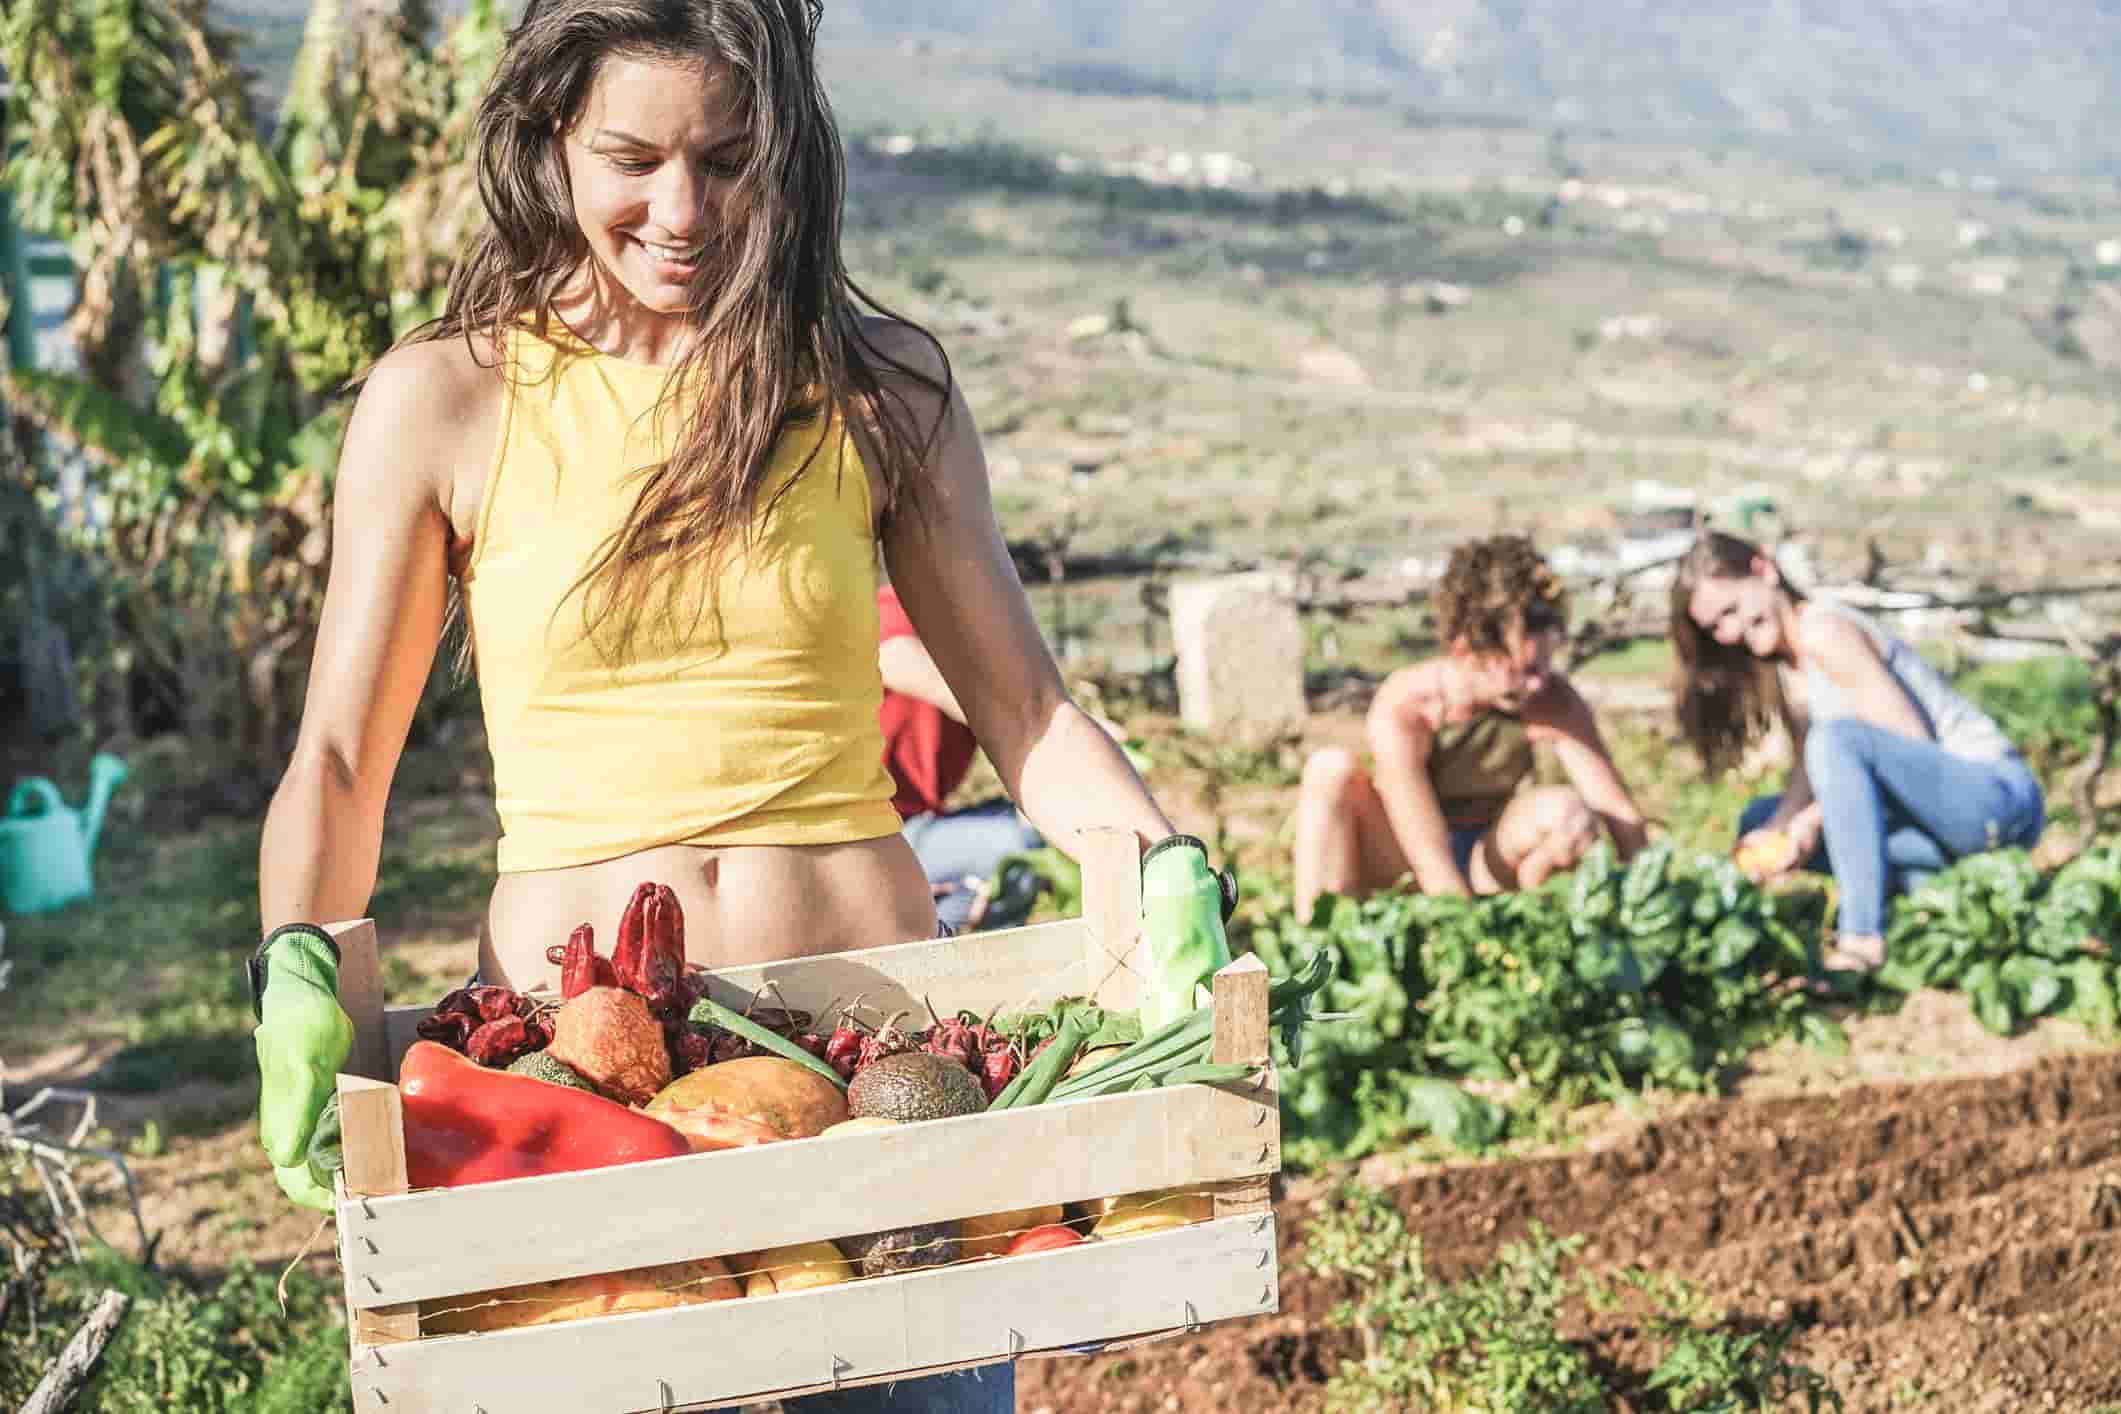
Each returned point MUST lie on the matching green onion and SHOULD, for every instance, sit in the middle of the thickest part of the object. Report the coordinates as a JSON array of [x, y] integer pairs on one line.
[[1035, 1081], [1196, 1072], [708, 1012]]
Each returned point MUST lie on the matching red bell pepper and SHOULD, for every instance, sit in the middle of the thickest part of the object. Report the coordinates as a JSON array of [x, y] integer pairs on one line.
[[467, 1124]]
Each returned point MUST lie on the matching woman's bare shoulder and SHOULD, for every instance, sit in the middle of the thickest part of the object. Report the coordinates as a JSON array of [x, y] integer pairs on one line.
[[904, 343], [910, 363], [426, 411], [442, 377], [1414, 694]]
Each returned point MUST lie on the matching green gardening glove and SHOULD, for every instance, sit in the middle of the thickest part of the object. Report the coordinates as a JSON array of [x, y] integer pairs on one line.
[[304, 1037], [1184, 906]]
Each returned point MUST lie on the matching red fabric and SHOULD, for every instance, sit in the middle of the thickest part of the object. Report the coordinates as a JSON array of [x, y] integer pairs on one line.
[[926, 753]]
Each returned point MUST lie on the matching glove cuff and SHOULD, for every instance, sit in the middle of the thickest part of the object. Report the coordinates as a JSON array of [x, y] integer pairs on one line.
[[1169, 842], [1224, 880], [258, 969]]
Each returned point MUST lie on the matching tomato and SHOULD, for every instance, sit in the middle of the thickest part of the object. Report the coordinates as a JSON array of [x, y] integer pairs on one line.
[[1048, 1238]]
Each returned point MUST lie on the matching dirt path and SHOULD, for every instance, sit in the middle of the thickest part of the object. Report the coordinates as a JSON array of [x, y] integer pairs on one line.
[[1956, 1243]]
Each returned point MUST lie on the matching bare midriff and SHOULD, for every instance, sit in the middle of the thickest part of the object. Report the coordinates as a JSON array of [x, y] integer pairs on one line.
[[742, 904]]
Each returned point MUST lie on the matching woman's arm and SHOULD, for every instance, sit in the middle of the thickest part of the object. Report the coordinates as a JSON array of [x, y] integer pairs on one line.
[[1852, 662], [1796, 815], [1400, 735], [1561, 718], [909, 668], [383, 608], [953, 574]]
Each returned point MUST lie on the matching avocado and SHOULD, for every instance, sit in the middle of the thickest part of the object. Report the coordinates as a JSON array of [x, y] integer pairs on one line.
[[914, 1085], [540, 1066], [902, 1249]]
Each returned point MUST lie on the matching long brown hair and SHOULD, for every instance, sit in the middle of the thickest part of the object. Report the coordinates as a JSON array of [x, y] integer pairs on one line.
[[1728, 699], [780, 321]]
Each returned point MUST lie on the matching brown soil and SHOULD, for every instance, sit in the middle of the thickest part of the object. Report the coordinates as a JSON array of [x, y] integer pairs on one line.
[[1953, 1245]]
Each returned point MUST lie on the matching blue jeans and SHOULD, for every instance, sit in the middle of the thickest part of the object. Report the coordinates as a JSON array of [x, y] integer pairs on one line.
[[967, 844], [1896, 810], [990, 1389], [1465, 843]]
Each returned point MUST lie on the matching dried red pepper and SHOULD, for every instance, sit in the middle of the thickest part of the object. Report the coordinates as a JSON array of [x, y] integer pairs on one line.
[[580, 965], [659, 972], [888, 1040], [996, 1069], [463, 1013], [953, 1040], [459, 1003], [628, 953], [499, 1041], [689, 1049], [447, 1028], [843, 1049]]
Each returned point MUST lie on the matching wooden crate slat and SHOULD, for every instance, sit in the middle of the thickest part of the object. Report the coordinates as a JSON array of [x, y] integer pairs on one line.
[[1114, 955], [452, 1241], [1241, 1038], [884, 1326], [372, 1130], [361, 996]]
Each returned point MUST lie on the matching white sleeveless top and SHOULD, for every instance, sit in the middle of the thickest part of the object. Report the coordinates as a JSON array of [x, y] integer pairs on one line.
[[1958, 726]]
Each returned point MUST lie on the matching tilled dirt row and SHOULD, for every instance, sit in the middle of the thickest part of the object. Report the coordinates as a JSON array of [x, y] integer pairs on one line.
[[1959, 1238]]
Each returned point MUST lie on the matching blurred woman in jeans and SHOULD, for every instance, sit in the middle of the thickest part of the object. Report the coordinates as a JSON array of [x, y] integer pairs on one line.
[[1896, 775]]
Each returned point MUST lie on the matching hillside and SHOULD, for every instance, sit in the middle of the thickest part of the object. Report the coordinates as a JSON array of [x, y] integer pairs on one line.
[[2021, 85]]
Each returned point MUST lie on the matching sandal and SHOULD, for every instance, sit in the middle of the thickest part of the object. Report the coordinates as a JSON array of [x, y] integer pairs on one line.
[[1840, 957], [1843, 971]]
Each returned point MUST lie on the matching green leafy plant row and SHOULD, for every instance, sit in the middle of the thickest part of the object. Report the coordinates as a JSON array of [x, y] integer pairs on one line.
[[2019, 943], [1664, 972], [1660, 972]]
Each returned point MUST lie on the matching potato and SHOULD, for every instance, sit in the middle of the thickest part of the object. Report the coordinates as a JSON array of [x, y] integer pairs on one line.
[[797, 1268]]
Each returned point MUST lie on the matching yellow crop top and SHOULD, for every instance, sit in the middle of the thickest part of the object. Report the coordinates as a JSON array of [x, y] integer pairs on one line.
[[757, 725]]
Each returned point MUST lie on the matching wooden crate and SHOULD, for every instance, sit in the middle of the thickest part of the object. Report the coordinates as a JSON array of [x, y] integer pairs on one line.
[[401, 1249]]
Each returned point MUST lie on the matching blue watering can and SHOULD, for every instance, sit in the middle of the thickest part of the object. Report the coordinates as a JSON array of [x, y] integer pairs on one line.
[[46, 848]]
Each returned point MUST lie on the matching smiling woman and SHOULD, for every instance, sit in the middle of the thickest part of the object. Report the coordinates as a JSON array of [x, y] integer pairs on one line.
[[655, 166], [657, 443], [1897, 774]]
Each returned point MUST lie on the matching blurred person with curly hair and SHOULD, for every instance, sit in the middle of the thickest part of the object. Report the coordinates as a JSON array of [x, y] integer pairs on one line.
[[1453, 740]]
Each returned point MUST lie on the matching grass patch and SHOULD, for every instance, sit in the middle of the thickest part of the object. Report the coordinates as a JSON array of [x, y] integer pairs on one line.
[[156, 958], [203, 1346], [1643, 658], [2045, 705], [453, 883]]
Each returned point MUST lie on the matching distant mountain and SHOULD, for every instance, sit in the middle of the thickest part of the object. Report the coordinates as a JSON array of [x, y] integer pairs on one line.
[[2017, 83], [2023, 84]]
